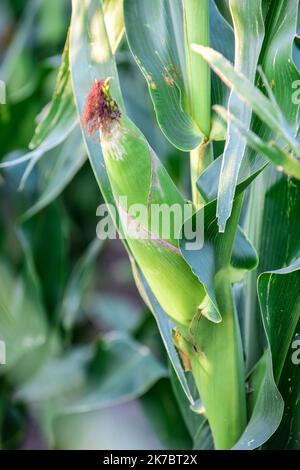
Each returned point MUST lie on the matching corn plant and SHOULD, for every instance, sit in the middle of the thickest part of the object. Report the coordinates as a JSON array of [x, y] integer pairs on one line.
[[223, 77]]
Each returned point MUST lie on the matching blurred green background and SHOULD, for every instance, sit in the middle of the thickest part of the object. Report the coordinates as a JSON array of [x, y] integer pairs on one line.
[[85, 365]]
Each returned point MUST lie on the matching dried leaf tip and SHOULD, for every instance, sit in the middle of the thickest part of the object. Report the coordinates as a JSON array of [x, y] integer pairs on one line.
[[101, 111]]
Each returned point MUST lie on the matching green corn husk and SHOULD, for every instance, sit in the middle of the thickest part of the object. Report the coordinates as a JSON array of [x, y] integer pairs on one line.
[[136, 173]]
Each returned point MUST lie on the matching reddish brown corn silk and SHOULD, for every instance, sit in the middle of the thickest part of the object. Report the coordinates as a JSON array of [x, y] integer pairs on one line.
[[100, 110]]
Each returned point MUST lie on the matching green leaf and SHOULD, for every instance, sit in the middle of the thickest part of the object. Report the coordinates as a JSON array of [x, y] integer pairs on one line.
[[273, 229], [83, 57], [56, 170], [155, 32], [207, 183], [265, 108], [130, 371], [114, 313], [60, 376], [279, 157], [166, 328], [279, 296], [196, 423], [249, 29], [267, 407], [90, 381], [204, 262], [287, 435], [114, 21], [161, 58], [61, 111], [223, 6], [56, 137], [117, 370], [222, 40]]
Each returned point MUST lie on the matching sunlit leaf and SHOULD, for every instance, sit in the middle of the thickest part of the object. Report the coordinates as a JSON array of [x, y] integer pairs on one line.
[[280, 157], [266, 110], [248, 28]]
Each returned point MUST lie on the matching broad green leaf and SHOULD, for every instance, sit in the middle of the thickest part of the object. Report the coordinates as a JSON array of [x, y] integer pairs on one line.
[[279, 296], [248, 29], [161, 58], [155, 32], [83, 57], [58, 378], [121, 370], [287, 435], [90, 380], [276, 234], [115, 370], [267, 407], [56, 170], [61, 111]]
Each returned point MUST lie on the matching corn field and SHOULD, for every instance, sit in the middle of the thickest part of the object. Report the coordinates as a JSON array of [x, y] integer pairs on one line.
[[177, 120]]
